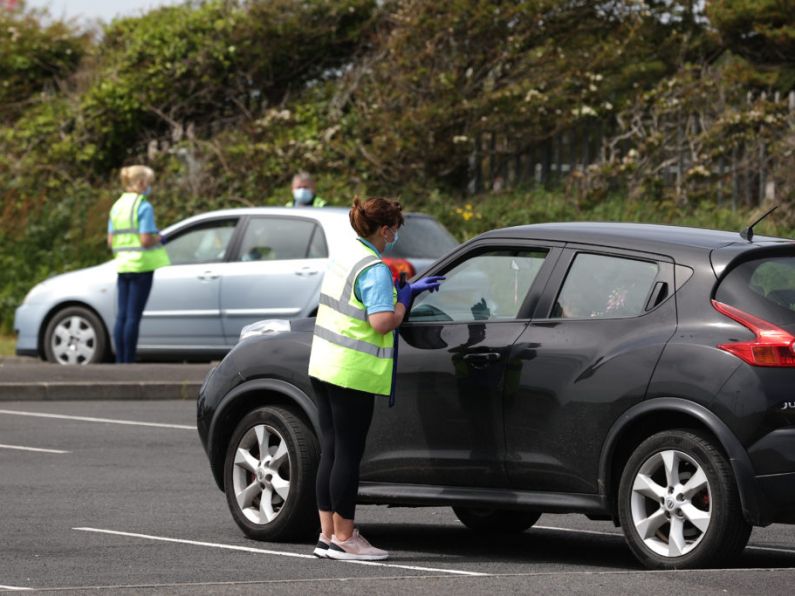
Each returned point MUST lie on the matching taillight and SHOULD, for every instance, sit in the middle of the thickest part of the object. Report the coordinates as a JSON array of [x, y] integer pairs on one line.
[[398, 266], [772, 346]]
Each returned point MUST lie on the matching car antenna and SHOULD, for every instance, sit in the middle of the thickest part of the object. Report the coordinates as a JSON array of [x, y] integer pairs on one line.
[[748, 233]]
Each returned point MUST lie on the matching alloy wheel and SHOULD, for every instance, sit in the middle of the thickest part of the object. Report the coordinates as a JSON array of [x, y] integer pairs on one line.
[[261, 474], [671, 503]]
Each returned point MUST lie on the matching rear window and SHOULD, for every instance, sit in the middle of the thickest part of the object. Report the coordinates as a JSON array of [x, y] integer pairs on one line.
[[762, 287], [422, 238]]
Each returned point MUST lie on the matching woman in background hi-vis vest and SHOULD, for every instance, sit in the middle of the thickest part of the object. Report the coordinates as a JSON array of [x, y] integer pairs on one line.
[[138, 251], [352, 361]]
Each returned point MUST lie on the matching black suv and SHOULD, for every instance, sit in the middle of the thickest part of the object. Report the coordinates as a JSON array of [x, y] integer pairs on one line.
[[630, 372]]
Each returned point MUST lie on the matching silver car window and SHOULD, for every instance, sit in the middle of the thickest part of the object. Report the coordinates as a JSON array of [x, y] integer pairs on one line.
[[203, 243], [277, 238]]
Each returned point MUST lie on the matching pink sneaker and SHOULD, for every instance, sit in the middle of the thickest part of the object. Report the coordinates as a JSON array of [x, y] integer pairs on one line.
[[356, 548], [321, 549]]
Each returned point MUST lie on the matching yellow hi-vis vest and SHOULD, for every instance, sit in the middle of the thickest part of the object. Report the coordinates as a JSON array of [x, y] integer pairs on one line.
[[316, 202], [128, 253], [346, 350]]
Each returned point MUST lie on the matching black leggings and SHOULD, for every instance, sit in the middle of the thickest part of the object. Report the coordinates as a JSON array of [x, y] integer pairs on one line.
[[345, 416]]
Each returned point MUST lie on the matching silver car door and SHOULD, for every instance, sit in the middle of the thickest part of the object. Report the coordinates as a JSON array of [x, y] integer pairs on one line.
[[183, 309], [276, 273]]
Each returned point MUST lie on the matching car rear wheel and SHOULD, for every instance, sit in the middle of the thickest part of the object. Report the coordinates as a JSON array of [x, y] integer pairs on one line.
[[496, 521], [269, 475], [75, 335], [678, 503]]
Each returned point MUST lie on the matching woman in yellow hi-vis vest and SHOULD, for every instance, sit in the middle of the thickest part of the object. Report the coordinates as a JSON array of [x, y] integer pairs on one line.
[[352, 360], [138, 251]]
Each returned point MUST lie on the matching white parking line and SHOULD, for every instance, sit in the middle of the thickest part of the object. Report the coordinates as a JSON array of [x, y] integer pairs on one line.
[[249, 549], [20, 448], [14, 588], [106, 420], [619, 535]]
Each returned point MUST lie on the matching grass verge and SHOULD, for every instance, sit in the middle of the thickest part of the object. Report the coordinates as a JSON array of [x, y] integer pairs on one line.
[[7, 345]]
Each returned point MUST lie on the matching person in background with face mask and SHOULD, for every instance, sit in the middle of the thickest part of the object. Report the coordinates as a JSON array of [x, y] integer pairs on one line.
[[138, 251], [304, 192], [352, 361]]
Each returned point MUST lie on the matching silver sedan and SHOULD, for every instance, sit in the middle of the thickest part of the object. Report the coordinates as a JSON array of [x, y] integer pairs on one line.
[[229, 269]]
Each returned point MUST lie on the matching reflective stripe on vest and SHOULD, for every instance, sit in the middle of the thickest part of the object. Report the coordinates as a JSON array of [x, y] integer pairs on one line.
[[343, 305], [346, 350], [353, 344]]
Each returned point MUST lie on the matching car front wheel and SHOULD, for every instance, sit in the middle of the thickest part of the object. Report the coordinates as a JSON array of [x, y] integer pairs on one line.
[[75, 335], [678, 503], [496, 521], [269, 475]]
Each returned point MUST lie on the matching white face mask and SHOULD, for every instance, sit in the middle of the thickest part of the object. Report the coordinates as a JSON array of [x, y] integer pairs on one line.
[[391, 245], [303, 195]]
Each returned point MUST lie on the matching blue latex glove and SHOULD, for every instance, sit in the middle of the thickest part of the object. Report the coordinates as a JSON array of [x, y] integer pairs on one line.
[[431, 284], [404, 294]]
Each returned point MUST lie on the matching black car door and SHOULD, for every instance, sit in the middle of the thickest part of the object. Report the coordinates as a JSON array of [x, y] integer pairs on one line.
[[586, 357], [447, 424]]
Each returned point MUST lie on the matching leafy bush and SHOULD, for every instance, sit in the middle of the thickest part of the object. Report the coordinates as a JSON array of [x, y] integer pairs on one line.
[[35, 58], [191, 65], [226, 99]]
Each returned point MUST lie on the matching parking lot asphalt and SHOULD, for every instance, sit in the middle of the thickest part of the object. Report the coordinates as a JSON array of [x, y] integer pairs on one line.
[[117, 497], [31, 379]]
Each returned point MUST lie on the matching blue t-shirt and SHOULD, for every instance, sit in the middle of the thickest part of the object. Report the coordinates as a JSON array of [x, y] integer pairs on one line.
[[374, 286], [146, 219]]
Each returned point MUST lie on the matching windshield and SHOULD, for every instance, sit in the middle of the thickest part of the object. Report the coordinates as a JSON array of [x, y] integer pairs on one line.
[[762, 287], [422, 238]]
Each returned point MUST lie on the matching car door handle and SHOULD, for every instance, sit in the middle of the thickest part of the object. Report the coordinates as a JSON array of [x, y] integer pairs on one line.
[[481, 359], [307, 271], [208, 275]]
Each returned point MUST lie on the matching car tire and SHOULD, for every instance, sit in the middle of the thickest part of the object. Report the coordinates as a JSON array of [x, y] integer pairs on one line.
[[496, 521], [678, 503], [269, 475], [75, 335]]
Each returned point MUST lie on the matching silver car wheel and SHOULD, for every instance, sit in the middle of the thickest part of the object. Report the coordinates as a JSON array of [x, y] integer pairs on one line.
[[671, 503], [74, 341], [261, 474]]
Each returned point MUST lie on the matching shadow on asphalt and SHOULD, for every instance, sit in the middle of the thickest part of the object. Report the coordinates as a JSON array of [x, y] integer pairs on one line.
[[534, 546]]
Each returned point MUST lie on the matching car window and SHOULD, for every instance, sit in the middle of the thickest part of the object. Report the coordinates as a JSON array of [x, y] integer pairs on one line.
[[487, 287], [422, 238], [276, 239], [762, 287], [202, 243], [605, 287], [318, 249]]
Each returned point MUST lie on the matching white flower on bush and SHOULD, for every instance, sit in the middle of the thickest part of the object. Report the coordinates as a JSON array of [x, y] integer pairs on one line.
[[631, 156], [584, 110], [698, 171], [534, 94]]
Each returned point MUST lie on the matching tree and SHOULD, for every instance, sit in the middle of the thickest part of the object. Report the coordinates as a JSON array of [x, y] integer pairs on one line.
[[761, 30], [443, 74], [35, 58]]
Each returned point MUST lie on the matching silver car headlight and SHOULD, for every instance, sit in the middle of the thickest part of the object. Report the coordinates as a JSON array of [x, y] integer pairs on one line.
[[267, 327]]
